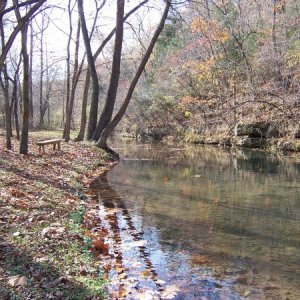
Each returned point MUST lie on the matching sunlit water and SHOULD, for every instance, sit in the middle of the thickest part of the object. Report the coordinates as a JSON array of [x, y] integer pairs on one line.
[[218, 224]]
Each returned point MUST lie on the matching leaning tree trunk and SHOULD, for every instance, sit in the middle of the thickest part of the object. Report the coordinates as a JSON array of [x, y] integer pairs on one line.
[[83, 120], [108, 109], [91, 63], [15, 100], [102, 143]]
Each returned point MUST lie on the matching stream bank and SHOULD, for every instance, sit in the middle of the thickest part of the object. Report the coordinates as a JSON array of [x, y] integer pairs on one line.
[[269, 136], [44, 250]]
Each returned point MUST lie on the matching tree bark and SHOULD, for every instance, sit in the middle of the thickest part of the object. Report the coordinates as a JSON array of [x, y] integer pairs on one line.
[[108, 109], [83, 119], [68, 61], [30, 78], [69, 112], [80, 136], [14, 102], [102, 143], [41, 94], [5, 87], [92, 123], [25, 91]]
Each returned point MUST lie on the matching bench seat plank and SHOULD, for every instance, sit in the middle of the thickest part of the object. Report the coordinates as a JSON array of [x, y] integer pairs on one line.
[[54, 142]]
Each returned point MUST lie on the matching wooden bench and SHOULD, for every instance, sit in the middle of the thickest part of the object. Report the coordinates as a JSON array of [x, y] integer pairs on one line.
[[54, 142]]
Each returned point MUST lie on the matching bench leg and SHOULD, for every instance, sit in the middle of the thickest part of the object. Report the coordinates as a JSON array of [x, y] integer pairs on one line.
[[58, 145], [54, 146], [43, 148]]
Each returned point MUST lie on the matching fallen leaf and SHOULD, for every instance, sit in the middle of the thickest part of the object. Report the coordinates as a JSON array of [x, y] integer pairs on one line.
[[23, 204], [146, 295], [17, 193], [122, 276], [105, 276], [122, 293], [101, 246], [146, 273], [160, 282], [52, 230], [119, 270], [15, 281], [170, 292], [41, 259], [200, 259]]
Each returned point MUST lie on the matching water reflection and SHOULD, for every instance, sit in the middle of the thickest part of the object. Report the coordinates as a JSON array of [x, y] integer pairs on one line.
[[218, 224]]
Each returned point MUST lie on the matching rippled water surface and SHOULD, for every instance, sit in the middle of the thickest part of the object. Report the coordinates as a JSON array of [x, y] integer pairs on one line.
[[218, 224]]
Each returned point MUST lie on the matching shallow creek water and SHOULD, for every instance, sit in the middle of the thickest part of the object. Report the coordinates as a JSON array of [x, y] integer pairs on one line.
[[203, 223]]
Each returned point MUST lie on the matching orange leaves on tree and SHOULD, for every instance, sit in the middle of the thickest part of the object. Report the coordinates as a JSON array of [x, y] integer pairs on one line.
[[211, 29]]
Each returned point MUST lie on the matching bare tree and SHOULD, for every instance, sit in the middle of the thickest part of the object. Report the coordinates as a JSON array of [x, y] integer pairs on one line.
[[25, 90], [80, 136], [21, 23], [102, 143], [4, 81], [75, 78], [92, 68], [109, 105]]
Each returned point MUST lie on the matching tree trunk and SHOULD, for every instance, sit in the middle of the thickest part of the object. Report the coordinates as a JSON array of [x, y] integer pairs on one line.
[[30, 77], [274, 41], [16, 113], [108, 109], [102, 143], [80, 136], [5, 87], [41, 95], [25, 91], [73, 89], [95, 82], [8, 126], [68, 61], [14, 101]]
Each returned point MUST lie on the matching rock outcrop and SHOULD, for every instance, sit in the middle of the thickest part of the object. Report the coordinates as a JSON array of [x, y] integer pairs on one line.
[[297, 133], [257, 130]]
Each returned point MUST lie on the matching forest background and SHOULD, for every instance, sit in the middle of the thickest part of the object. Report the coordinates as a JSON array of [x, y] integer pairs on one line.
[[214, 64]]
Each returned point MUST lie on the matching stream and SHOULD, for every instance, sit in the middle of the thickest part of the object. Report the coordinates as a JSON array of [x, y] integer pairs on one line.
[[202, 223]]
